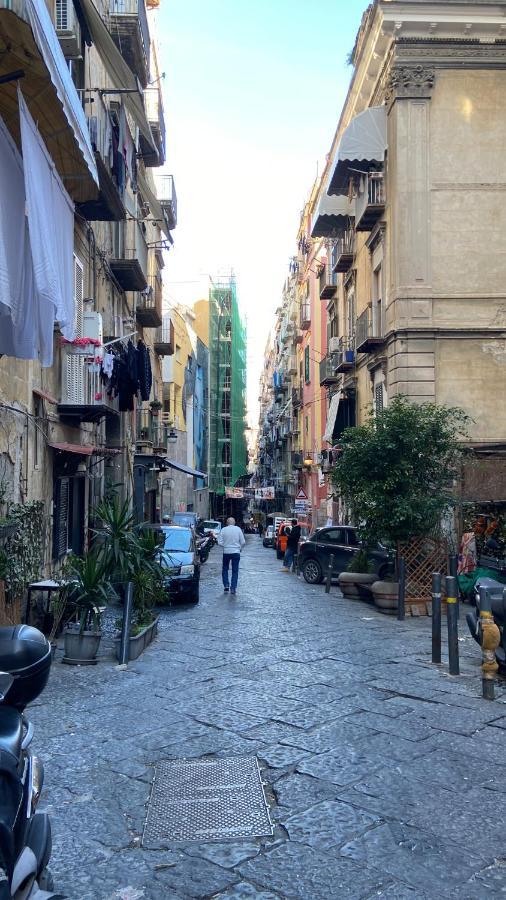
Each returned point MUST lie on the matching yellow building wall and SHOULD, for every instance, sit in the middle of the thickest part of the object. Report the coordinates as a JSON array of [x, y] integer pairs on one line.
[[202, 318]]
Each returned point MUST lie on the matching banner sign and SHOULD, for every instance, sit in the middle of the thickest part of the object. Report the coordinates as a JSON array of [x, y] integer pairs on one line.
[[265, 493], [233, 493]]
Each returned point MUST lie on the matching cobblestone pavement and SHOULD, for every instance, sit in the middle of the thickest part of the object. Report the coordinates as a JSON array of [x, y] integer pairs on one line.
[[386, 776]]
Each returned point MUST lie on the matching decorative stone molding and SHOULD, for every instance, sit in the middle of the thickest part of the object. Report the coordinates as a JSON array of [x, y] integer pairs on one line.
[[446, 53], [409, 82]]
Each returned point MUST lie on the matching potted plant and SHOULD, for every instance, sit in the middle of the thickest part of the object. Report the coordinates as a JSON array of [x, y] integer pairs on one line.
[[86, 592], [148, 585], [155, 407], [116, 542], [358, 578]]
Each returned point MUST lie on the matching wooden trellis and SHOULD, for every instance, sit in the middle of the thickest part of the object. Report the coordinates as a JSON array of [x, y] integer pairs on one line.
[[423, 556]]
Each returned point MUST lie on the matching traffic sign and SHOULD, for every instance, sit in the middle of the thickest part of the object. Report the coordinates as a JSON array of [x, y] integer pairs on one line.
[[302, 495]]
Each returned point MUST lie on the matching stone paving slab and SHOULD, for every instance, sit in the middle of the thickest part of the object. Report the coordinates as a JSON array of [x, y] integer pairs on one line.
[[385, 775]]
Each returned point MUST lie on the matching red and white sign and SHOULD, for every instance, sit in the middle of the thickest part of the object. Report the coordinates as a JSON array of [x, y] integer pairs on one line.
[[301, 495]]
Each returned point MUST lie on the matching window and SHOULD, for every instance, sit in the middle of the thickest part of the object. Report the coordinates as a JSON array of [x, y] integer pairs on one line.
[[333, 536], [178, 353], [378, 399], [307, 424], [61, 518], [353, 540], [307, 369], [68, 515], [377, 301]]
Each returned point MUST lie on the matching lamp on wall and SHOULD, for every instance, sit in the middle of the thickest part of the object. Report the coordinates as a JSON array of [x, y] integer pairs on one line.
[[172, 436], [308, 462]]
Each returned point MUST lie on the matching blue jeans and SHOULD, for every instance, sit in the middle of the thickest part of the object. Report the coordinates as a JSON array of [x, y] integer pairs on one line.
[[289, 558], [227, 559]]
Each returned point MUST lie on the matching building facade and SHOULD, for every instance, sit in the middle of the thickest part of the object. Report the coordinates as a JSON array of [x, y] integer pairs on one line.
[[80, 383]]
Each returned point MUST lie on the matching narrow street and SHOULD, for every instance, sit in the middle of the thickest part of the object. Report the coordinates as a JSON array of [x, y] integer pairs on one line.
[[386, 777]]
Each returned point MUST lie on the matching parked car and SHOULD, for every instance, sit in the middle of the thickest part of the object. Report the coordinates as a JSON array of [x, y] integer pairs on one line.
[[282, 536], [181, 560], [341, 541], [185, 519], [210, 526], [268, 538]]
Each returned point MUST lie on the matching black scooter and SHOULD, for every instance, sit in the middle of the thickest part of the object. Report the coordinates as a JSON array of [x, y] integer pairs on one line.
[[205, 544], [497, 595], [25, 835]]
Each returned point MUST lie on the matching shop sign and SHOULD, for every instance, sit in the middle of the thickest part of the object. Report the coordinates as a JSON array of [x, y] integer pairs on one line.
[[265, 493], [233, 493]]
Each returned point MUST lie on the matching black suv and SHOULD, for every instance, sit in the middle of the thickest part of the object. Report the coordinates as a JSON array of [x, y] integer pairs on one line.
[[343, 543]]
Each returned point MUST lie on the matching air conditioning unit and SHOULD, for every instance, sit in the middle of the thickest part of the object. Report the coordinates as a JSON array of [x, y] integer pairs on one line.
[[68, 29], [92, 326], [333, 344]]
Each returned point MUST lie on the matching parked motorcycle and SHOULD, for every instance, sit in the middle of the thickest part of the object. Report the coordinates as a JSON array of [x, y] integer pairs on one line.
[[497, 594], [25, 835], [205, 543]]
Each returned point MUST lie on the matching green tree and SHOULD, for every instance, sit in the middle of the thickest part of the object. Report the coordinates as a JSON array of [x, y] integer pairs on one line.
[[396, 471]]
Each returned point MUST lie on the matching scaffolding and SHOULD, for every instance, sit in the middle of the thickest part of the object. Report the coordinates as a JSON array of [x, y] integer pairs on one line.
[[228, 457]]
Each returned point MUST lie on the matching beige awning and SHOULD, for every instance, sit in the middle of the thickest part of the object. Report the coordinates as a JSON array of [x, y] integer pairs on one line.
[[363, 142], [332, 216], [154, 203], [119, 72], [331, 417], [29, 44]]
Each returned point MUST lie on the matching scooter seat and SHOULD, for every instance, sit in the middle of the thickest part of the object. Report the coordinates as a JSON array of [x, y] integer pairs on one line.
[[11, 731]]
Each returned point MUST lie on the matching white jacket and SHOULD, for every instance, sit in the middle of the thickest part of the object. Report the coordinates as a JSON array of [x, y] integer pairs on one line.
[[231, 539]]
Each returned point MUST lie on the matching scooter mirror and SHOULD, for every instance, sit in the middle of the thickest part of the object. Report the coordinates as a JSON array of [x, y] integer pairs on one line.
[[6, 682]]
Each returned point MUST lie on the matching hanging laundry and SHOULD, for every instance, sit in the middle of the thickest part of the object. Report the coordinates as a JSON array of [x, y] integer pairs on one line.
[[48, 201], [108, 364], [145, 374]]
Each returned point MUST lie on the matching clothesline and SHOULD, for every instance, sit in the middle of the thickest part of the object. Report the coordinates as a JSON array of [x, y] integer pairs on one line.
[[118, 340]]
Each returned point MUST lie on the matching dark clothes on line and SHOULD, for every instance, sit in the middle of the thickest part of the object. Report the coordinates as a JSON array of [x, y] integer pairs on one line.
[[144, 373]]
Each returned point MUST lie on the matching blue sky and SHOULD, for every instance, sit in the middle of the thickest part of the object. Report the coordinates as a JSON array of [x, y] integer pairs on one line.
[[252, 96]]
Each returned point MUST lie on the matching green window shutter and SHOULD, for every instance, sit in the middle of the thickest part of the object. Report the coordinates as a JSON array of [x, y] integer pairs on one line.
[[307, 373]]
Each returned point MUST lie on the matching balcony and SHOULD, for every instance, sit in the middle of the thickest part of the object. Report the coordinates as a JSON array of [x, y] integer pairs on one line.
[[109, 205], [164, 339], [370, 204], [296, 398], [149, 305], [368, 335], [328, 282], [345, 356], [130, 32], [343, 252], [166, 192], [328, 371], [131, 269], [305, 315], [154, 112], [83, 396], [150, 433], [297, 460], [298, 336]]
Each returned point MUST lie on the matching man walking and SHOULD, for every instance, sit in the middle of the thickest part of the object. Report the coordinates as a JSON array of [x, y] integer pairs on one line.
[[232, 540], [292, 546]]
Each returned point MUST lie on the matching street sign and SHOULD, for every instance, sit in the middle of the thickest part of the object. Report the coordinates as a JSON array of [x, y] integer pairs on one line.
[[301, 495]]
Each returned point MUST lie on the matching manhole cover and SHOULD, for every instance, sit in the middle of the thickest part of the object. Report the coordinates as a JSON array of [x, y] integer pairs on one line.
[[206, 800]]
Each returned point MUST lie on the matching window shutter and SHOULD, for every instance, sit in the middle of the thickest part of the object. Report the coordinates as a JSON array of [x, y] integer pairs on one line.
[[61, 518], [307, 373], [378, 399], [78, 295]]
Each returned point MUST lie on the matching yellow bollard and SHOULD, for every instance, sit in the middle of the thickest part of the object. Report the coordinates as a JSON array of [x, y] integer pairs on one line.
[[490, 639]]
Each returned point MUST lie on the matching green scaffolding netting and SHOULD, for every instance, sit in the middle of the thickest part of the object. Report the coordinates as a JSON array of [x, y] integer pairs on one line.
[[228, 459]]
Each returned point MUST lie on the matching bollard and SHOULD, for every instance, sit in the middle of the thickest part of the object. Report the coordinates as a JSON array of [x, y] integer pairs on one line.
[[453, 564], [436, 618], [124, 648], [401, 604], [451, 617], [329, 574], [490, 639]]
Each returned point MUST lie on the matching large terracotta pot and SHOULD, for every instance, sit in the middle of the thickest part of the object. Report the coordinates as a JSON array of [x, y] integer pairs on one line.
[[356, 585], [386, 596]]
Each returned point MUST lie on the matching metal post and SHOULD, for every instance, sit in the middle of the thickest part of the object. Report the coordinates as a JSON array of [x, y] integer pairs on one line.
[[453, 563], [124, 649], [490, 639], [329, 574], [436, 618], [451, 617], [401, 604]]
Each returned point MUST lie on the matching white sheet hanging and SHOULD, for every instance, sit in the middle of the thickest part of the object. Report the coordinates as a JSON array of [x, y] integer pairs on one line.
[[51, 227]]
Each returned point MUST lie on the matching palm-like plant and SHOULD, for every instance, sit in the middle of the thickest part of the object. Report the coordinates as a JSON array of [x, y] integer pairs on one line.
[[116, 539], [87, 590]]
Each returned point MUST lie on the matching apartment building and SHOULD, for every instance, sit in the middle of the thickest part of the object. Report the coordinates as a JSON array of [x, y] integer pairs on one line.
[[407, 227], [80, 379]]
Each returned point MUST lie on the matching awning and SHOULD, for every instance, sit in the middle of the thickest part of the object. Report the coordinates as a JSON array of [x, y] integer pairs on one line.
[[332, 216], [71, 448], [119, 72], [331, 417], [363, 142], [182, 468], [31, 45], [154, 203]]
